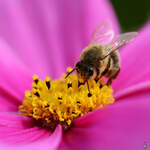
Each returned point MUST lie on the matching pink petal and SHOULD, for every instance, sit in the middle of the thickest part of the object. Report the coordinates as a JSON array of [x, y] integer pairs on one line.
[[15, 128], [14, 76], [18, 132], [120, 126], [8, 102], [132, 90], [49, 35], [135, 61]]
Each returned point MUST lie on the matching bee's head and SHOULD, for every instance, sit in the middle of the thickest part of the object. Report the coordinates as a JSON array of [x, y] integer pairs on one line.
[[84, 70]]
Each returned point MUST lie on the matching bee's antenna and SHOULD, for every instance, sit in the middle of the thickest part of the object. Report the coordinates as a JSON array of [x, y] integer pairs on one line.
[[70, 72]]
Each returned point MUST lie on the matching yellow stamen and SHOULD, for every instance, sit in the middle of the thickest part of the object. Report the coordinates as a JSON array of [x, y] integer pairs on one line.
[[62, 101]]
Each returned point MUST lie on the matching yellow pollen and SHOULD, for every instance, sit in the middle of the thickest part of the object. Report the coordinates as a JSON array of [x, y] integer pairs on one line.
[[62, 101]]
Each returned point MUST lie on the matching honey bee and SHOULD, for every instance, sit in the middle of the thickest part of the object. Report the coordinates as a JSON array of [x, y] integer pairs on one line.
[[101, 58]]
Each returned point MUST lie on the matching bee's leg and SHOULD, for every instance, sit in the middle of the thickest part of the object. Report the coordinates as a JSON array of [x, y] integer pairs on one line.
[[114, 72], [97, 75], [109, 81], [80, 83], [115, 67]]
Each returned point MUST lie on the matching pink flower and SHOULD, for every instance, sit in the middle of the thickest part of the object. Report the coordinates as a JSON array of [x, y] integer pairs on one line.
[[44, 38]]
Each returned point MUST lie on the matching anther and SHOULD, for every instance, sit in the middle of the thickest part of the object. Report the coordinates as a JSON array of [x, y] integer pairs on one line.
[[59, 97], [96, 80], [37, 94], [47, 105], [69, 85], [68, 109], [80, 83], [48, 84], [35, 78], [36, 81], [100, 86]]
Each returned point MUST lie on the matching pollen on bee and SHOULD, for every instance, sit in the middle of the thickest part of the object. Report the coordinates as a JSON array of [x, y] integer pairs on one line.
[[62, 101]]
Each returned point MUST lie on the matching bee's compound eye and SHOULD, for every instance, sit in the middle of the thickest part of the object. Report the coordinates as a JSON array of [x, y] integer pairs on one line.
[[90, 70]]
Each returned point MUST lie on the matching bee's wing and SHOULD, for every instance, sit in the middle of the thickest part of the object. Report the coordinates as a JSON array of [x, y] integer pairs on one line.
[[120, 41], [103, 33]]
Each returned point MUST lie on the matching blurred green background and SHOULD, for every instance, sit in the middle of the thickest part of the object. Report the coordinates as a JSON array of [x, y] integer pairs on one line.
[[132, 14]]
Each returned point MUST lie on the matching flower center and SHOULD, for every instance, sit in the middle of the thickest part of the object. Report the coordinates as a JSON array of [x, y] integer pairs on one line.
[[62, 101]]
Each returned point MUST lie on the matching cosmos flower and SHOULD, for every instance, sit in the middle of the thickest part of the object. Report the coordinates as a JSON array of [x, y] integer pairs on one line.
[[44, 38]]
